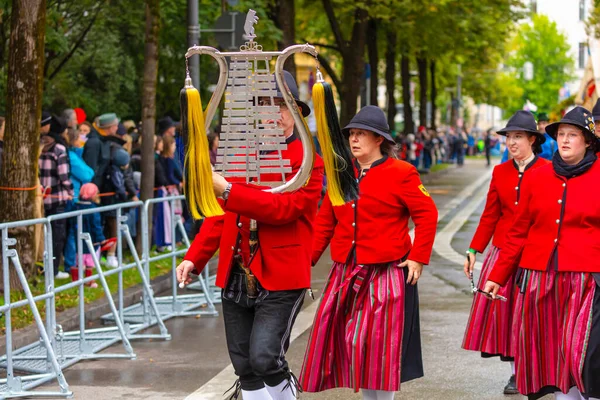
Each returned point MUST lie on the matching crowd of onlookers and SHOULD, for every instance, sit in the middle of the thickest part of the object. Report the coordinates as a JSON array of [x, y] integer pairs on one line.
[[84, 165], [429, 147]]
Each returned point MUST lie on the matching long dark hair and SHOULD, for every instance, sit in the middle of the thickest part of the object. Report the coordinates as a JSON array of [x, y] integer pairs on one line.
[[536, 146]]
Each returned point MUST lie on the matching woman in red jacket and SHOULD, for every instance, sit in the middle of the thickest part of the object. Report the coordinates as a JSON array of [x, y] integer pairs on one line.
[[489, 327], [555, 240], [366, 332]]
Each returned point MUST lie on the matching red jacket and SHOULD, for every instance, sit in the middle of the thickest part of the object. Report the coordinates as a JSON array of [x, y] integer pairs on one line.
[[376, 225], [282, 261], [555, 213], [502, 199]]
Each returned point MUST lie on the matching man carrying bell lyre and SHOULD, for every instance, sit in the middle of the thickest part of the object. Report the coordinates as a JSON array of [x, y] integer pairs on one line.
[[263, 284]]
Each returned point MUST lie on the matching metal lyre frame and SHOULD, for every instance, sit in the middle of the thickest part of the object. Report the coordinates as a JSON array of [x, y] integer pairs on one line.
[[252, 52]]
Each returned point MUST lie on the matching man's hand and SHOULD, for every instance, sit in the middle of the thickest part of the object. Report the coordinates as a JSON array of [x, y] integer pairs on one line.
[[415, 269], [491, 288], [183, 272], [219, 184], [469, 265]]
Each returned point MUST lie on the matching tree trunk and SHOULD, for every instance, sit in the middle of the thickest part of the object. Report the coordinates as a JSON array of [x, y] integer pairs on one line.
[[373, 60], [284, 13], [433, 94], [422, 66], [354, 67], [409, 125], [149, 104], [22, 134], [352, 52], [390, 77]]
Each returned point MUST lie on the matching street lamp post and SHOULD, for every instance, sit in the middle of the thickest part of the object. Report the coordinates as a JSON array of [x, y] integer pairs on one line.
[[193, 39]]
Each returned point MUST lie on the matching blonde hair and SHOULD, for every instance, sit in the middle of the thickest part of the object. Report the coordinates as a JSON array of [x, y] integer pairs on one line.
[[168, 142]]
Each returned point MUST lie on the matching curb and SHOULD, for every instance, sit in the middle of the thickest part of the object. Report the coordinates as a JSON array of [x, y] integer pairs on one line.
[[69, 319]]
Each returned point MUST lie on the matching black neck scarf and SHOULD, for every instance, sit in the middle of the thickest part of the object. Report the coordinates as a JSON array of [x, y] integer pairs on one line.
[[569, 171]]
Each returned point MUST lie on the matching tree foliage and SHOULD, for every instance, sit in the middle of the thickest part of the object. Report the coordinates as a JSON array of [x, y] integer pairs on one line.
[[547, 49]]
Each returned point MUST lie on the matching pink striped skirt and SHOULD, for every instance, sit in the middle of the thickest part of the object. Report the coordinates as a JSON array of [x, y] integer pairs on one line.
[[366, 332], [490, 326], [558, 338]]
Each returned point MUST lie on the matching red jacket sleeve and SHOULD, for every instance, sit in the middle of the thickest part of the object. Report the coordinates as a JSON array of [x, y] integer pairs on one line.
[[206, 242], [489, 218], [276, 208], [424, 214], [507, 262], [324, 228]]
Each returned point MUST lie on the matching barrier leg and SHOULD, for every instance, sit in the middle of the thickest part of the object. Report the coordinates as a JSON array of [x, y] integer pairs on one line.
[[164, 333], [15, 382], [86, 238]]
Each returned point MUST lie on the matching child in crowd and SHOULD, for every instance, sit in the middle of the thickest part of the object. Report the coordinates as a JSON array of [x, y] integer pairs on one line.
[[92, 224]]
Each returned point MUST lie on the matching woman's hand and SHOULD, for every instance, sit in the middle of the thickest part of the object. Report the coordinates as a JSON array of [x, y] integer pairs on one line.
[[415, 269], [183, 272], [491, 288], [469, 265]]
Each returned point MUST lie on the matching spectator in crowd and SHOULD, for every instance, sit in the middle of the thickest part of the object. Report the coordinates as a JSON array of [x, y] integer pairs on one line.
[[45, 123], [161, 225], [119, 164], [488, 146], [91, 223], [70, 117], [166, 127], [83, 130], [173, 173], [411, 149], [80, 174], [213, 145], [98, 148], [55, 174], [2, 126], [428, 148]]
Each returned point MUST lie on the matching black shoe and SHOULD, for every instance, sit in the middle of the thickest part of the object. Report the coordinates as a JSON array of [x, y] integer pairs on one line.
[[511, 386]]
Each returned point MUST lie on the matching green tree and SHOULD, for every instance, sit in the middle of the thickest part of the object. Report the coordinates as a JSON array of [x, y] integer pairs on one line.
[[547, 49]]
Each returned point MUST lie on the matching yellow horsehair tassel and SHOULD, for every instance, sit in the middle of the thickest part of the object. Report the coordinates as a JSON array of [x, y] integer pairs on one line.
[[199, 192], [341, 184]]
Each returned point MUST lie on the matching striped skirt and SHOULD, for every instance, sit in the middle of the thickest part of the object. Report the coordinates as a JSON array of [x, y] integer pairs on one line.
[[558, 338], [490, 326], [366, 332]]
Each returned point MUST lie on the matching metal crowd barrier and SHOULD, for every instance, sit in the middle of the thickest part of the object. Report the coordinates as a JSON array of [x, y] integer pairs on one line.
[[40, 362], [175, 305]]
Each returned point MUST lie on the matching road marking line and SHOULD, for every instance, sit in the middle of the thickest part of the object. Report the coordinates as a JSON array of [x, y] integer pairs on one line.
[[443, 239], [214, 388]]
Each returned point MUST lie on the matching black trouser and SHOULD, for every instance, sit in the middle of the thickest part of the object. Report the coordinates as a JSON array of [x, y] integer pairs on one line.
[[258, 331], [59, 235]]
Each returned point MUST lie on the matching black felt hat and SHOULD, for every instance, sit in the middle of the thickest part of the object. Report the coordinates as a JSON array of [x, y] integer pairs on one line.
[[291, 84], [46, 118], [596, 111], [165, 123], [579, 117], [522, 121], [370, 118]]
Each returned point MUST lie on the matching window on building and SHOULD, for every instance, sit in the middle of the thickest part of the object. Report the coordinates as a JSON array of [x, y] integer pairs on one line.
[[533, 6], [582, 10], [582, 52]]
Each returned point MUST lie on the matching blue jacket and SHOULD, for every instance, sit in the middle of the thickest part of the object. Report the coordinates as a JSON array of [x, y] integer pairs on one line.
[[548, 148], [81, 173], [91, 223]]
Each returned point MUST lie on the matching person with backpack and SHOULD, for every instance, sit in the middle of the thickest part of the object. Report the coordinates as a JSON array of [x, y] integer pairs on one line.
[[55, 171]]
